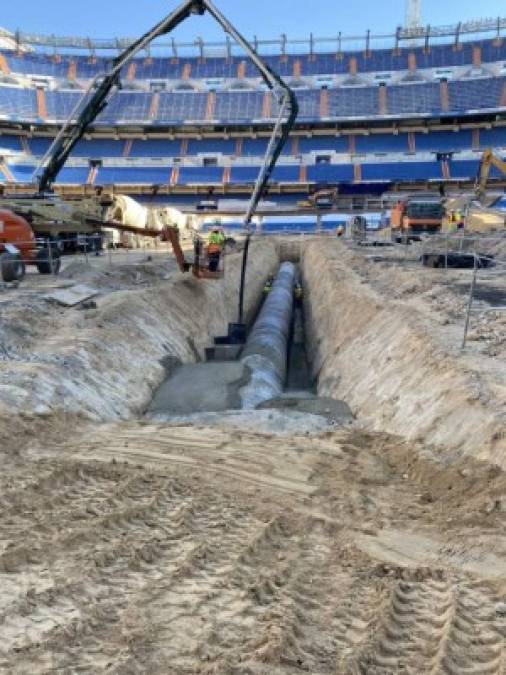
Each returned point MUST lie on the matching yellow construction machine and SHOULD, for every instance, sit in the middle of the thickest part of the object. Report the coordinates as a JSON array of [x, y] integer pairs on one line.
[[481, 215], [488, 160]]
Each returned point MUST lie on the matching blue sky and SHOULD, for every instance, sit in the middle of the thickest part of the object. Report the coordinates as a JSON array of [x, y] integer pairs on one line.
[[266, 18]]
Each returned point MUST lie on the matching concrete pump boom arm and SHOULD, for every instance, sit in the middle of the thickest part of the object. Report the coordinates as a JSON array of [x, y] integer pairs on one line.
[[101, 88]]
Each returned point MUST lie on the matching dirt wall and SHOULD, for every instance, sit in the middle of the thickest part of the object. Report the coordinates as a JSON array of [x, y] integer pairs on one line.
[[105, 363], [375, 353]]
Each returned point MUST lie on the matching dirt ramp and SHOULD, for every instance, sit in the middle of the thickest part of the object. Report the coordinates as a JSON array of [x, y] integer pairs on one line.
[[105, 363], [376, 354]]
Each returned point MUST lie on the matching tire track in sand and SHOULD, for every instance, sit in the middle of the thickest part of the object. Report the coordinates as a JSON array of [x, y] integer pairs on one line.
[[436, 626]]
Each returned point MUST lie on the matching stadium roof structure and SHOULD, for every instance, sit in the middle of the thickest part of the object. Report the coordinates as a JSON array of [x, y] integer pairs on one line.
[[407, 36]]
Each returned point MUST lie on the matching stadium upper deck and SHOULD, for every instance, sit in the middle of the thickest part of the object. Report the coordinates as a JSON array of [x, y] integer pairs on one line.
[[366, 113]]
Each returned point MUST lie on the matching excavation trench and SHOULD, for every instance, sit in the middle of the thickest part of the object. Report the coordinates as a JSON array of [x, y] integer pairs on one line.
[[271, 371], [364, 348]]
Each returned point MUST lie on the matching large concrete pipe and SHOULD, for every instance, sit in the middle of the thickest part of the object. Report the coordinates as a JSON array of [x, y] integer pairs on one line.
[[265, 352]]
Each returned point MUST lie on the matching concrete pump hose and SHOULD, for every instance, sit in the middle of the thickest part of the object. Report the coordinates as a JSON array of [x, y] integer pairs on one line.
[[265, 352]]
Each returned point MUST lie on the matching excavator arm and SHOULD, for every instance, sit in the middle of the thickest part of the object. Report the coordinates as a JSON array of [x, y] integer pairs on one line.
[[488, 160]]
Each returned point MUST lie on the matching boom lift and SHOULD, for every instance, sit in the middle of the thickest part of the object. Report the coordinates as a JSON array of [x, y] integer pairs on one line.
[[46, 207]]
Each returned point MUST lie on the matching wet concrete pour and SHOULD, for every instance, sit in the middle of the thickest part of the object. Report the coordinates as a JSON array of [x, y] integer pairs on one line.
[[201, 387]]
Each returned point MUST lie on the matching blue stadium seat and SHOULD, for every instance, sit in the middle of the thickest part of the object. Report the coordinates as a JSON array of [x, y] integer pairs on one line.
[[200, 174], [409, 99], [309, 104], [18, 104], [211, 145], [97, 148], [249, 174], [493, 138], [127, 106], [10, 143], [467, 169], [254, 147], [22, 173], [464, 169], [330, 173], [243, 106], [150, 175], [323, 144], [38, 64], [181, 106], [39, 146], [152, 147], [377, 60], [286, 174], [381, 143], [401, 171], [468, 95], [158, 68], [353, 102], [244, 174], [60, 104], [73, 175], [444, 141]]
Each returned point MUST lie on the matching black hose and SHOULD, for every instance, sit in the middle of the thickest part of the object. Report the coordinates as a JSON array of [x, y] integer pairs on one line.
[[243, 278]]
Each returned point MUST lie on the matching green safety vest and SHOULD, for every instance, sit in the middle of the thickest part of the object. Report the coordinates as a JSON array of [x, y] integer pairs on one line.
[[217, 238]]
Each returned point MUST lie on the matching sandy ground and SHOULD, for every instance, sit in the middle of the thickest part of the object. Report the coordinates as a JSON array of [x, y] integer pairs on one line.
[[133, 546], [386, 335], [145, 549]]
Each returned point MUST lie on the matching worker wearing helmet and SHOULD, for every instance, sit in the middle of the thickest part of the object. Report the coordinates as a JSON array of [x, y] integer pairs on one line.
[[214, 248], [268, 285]]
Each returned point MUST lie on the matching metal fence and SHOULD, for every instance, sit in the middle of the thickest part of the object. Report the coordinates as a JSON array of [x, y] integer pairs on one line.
[[483, 274]]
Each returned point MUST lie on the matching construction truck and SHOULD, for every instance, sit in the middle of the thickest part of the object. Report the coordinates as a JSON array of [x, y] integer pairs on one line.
[[321, 199], [415, 215]]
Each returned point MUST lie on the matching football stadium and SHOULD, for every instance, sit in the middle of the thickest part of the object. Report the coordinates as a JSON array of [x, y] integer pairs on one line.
[[253, 344]]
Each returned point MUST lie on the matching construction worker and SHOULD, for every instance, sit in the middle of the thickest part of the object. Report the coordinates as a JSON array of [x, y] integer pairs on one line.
[[298, 293], [268, 285], [214, 248]]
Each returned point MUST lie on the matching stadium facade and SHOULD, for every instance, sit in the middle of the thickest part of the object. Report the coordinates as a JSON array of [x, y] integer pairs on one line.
[[417, 107]]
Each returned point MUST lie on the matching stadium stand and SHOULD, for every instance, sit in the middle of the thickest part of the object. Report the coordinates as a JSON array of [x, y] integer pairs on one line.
[[365, 115], [377, 60], [180, 108]]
